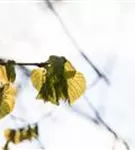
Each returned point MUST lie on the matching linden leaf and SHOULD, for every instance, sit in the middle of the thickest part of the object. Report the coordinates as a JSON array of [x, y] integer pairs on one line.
[[76, 87], [69, 70], [18, 135], [10, 70], [48, 93], [75, 82], [38, 77], [7, 99], [50, 90], [7, 133], [34, 131], [3, 75]]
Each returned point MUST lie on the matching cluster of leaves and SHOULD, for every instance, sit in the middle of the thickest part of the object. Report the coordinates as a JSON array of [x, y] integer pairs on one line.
[[58, 80], [7, 88], [18, 135]]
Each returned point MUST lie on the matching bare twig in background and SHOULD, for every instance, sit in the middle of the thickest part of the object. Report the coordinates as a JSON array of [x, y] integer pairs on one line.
[[15, 118], [84, 115], [99, 118], [40, 144], [25, 71], [74, 42], [93, 83]]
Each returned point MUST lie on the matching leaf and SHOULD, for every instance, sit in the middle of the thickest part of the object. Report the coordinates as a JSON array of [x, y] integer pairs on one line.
[[3, 75], [48, 93], [50, 90], [69, 70], [34, 131], [76, 87], [76, 83], [68, 66], [24, 133], [7, 99], [17, 137], [38, 77], [62, 81], [7, 133], [10, 70], [7, 90]]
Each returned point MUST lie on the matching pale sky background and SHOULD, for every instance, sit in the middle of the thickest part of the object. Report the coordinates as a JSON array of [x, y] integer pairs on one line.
[[105, 30]]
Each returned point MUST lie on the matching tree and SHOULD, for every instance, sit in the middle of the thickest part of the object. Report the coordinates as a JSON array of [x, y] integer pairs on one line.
[[40, 73]]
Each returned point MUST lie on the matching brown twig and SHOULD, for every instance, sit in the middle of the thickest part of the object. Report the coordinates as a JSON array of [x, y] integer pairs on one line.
[[99, 118], [26, 64]]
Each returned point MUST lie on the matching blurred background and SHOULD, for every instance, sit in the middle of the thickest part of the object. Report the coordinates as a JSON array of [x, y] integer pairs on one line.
[[104, 30]]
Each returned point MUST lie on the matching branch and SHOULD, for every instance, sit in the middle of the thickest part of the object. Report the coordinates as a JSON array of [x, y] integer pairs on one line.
[[6, 145], [26, 64], [74, 42], [40, 143], [15, 118], [84, 115], [25, 71], [105, 124]]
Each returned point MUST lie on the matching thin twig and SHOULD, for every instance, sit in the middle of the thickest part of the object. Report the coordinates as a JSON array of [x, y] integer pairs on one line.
[[84, 115], [40, 143], [15, 118], [93, 83], [105, 124], [74, 42], [25, 71], [6, 146], [26, 64]]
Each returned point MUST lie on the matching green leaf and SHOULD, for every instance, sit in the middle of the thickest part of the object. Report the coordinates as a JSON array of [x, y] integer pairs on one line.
[[10, 70]]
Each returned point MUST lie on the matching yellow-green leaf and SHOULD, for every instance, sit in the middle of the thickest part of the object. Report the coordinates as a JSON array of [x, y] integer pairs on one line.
[[3, 75], [18, 135], [38, 77], [76, 87], [7, 99], [10, 70], [69, 70]]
